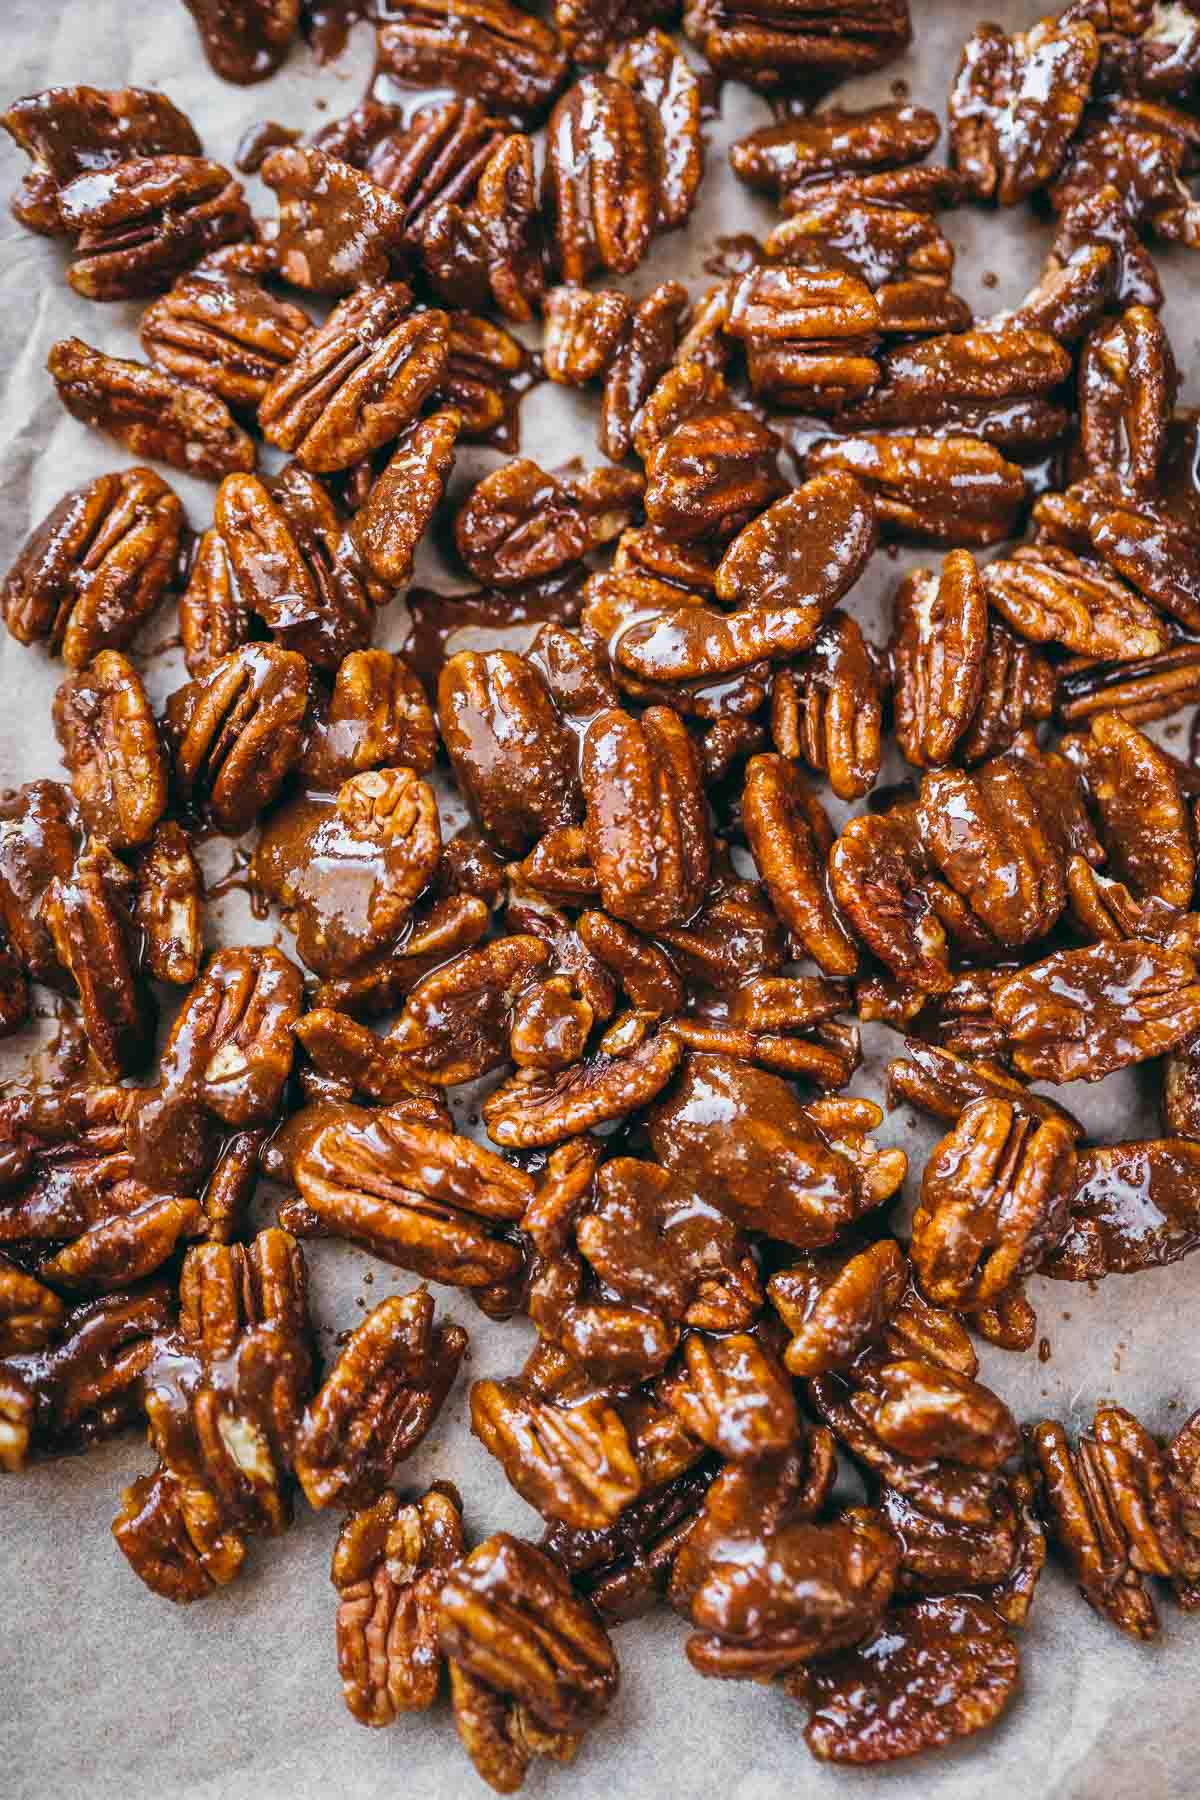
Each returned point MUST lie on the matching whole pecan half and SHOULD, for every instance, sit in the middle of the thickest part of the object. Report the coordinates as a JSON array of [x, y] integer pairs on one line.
[[88, 915], [790, 838], [780, 156], [581, 331], [941, 490], [150, 412], [1104, 1235], [835, 1305], [139, 225], [599, 186], [376, 718], [939, 641], [519, 524], [646, 828], [405, 495], [1082, 1013], [110, 744], [774, 46], [237, 730], [457, 1021], [573, 1463], [992, 380], [97, 565], [1127, 387], [533, 1109], [489, 49], [1143, 812], [1016, 103], [641, 357], [222, 330], [827, 708], [1050, 595]]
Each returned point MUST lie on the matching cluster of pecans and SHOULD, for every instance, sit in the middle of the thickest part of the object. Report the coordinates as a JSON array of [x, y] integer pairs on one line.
[[651, 941]]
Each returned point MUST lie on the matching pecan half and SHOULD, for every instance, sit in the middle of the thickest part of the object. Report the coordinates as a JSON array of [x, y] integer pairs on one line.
[[519, 524], [515, 759], [1053, 596], [827, 708], [642, 356], [88, 916], [775, 47], [834, 1305], [789, 838], [149, 411], [781, 156], [992, 380], [599, 187], [1016, 103], [336, 229], [646, 829], [405, 495], [1127, 387], [245, 40], [222, 330], [733, 1395], [1144, 816], [377, 717], [938, 646], [939, 490], [111, 746], [581, 331], [1082, 1013], [1111, 1233], [212, 619], [533, 1109], [237, 730], [457, 1021], [572, 1463], [139, 225], [490, 49], [807, 333]]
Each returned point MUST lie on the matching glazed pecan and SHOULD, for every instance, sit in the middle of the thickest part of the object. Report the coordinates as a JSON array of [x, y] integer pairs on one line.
[[111, 746], [237, 730], [97, 565], [993, 1204], [669, 99], [878, 875], [491, 252], [781, 156], [582, 330], [222, 330], [573, 1463], [1018, 689], [1082, 1013], [31, 1314], [1127, 387], [389, 1564], [805, 40], [1053, 596], [381, 832], [212, 617], [646, 828], [404, 496], [733, 1395], [940, 490], [479, 379], [336, 229], [1131, 1204], [245, 40], [714, 468], [150, 412], [519, 524], [70, 131], [1140, 150], [410, 1192], [807, 334], [378, 1401], [657, 1242], [355, 383], [790, 838], [938, 1670], [1016, 103], [991, 380], [939, 641], [533, 1109], [88, 916], [140, 224], [939, 1556], [1148, 539], [1143, 812], [834, 1305], [988, 835], [514, 757], [591, 30], [457, 1020], [599, 187], [642, 356], [377, 717], [827, 708], [490, 49]]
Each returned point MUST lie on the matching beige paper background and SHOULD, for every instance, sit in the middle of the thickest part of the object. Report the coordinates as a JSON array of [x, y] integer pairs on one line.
[[107, 1691]]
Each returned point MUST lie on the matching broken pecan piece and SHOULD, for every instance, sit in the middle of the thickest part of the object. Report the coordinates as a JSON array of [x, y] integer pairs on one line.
[[245, 40], [336, 229]]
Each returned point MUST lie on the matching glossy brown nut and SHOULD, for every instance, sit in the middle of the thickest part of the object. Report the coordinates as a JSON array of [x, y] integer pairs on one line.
[[993, 1204], [827, 708], [835, 1306], [1016, 103], [222, 330], [495, 247], [573, 1463], [960, 376], [807, 333], [457, 1019], [513, 755], [1138, 149], [1131, 1204], [642, 356], [1144, 815], [987, 835], [67, 131], [1127, 387], [772, 47], [1052, 596], [1146, 539], [150, 412], [670, 99], [491, 50], [378, 1401], [789, 844], [1017, 690], [230, 1048], [389, 1564], [138, 225], [712, 468], [212, 618], [97, 565], [479, 378], [377, 717], [877, 874], [88, 916], [938, 646], [599, 189], [734, 1396], [780, 156], [357, 381], [531, 1109], [519, 524], [31, 1314], [336, 229], [646, 827], [237, 731], [940, 490], [381, 834], [405, 495], [938, 1670], [582, 330], [592, 29], [245, 40], [1082, 1013], [110, 744], [289, 563]]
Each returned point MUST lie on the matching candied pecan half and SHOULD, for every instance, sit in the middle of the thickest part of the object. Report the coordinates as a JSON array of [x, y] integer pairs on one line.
[[1149, 540], [993, 1203], [582, 330], [533, 1109], [715, 467], [336, 229], [1132, 1204], [1017, 690], [991, 380], [625, 1569], [245, 40], [642, 356], [110, 744], [389, 1564], [347, 868], [139, 225], [732, 1394], [782, 46], [355, 383], [939, 641], [97, 565], [479, 379], [937, 1670], [457, 1020], [514, 757], [669, 98], [237, 730], [828, 708], [599, 188], [508, 59], [149, 411], [70, 131], [1140, 150], [1144, 815], [572, 1463], [655, 1240], [405, 495], [647, 833], [212, 618], [222, 330], [834, 1305], [88, 916], [1127, 387], [410, 1192], [807, 334], [991, 839], [99, 1227], [782, 155], [31, 1314], [940, 490], [39, 841], [519, 524], [877, 872], [1082, 1013], [1016, 103], [789, 838], [378, 1401], [377, 717], [1051, 595], [491, 252]]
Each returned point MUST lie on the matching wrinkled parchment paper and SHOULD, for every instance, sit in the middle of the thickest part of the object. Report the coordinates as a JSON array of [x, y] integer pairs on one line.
[[106, 1690]]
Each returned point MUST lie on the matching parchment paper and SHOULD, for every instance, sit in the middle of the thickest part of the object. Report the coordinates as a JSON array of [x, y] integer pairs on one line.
[[108, 1691]]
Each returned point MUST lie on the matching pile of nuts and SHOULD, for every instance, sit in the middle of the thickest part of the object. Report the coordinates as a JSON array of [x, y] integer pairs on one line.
[[747, 1396]]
